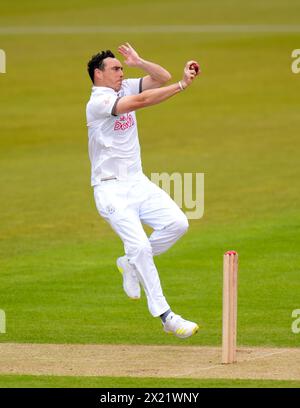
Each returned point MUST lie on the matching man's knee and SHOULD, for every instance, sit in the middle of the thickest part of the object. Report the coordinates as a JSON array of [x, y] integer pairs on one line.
[[181, 225]]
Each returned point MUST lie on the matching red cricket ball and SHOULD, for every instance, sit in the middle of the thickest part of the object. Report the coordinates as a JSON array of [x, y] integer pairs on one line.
[[195, 67]]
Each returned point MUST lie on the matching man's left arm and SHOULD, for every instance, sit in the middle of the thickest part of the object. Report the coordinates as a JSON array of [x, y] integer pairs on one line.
[[157, 75]]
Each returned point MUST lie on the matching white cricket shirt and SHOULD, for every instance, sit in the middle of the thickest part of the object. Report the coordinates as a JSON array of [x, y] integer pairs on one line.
[[114, 148]]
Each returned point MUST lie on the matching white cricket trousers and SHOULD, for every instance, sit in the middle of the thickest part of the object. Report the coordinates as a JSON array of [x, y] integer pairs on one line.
[[128, 204]]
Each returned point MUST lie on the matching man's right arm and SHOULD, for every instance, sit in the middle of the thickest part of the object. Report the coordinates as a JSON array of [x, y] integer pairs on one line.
[[155, 96]]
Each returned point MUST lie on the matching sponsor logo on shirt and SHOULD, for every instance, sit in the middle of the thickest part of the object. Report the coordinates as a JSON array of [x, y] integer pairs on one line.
[[124, 122]]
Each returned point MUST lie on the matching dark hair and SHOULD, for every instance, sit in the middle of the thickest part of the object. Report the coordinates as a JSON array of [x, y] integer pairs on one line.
[[97, 62]]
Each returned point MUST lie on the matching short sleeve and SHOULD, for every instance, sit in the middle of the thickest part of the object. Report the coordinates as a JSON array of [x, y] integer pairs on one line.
[[133, 86], [102, 106]]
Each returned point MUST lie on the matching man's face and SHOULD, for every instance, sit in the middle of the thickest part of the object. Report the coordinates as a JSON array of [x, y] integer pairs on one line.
[[112, 74]]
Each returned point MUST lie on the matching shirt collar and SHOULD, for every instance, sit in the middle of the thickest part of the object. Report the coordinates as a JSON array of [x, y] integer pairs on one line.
[[103, 89]]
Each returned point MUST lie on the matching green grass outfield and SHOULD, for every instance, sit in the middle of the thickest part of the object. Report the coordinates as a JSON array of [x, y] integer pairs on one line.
[[238, 124], [27, 381]]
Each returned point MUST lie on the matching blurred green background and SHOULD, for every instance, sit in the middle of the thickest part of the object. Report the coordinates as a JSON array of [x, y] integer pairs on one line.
[[238, 124]]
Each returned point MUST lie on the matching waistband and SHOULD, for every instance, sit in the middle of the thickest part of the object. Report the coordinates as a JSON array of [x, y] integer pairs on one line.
[[108, 178], [129, 178]]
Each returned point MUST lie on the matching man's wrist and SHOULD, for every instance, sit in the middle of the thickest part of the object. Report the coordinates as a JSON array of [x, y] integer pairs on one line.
[[140, 63], [182, 85]]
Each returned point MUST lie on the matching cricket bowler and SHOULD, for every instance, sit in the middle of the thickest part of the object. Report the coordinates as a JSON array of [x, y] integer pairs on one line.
[[124, 196]]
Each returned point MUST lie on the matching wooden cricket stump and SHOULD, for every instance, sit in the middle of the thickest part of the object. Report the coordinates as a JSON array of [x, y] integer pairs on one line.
[[230, 278]]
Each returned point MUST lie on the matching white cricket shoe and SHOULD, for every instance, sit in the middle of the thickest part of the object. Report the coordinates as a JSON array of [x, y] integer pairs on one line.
[[179, 327], [131, 284]]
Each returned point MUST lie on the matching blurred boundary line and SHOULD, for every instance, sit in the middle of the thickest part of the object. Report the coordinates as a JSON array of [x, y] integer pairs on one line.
[[257, 29]]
